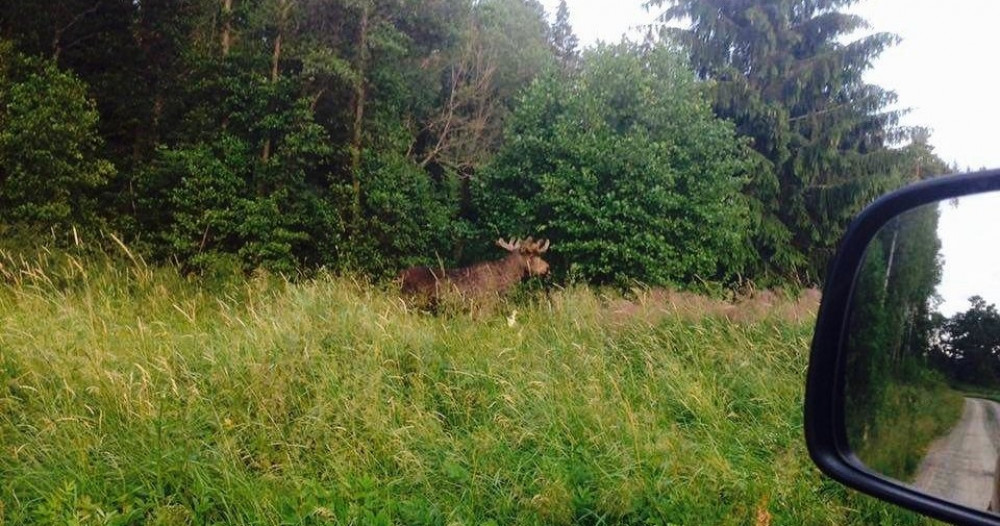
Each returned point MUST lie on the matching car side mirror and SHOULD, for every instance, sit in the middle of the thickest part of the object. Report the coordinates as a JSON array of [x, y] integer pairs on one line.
[[903, 389]]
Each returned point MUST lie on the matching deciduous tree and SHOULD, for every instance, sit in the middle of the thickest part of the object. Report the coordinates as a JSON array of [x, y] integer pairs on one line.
[[627, 167]]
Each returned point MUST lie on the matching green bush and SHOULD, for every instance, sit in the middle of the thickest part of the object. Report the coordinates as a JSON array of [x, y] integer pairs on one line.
[[222, 194], [407, 218], [625, 168], [50, 162]]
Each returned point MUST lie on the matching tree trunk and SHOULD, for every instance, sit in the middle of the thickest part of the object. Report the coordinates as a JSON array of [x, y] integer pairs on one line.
[[276, 57], [227, 26], [266, 154], [360, 96], [892, 256], [226, 41], [285, 7]]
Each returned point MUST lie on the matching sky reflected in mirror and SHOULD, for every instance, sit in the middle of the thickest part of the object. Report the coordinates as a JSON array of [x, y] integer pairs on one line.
[[969, 229]]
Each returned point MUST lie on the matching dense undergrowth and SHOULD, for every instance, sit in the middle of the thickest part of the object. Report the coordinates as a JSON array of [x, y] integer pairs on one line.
[[133, 395]]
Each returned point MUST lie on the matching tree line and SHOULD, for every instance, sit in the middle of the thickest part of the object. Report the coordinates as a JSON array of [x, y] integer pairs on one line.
[[892, 322], [371, 135], [966, 346]]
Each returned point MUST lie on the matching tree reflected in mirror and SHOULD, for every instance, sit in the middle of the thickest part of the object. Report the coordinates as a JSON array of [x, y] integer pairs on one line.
[[922, 365], [968, 345]]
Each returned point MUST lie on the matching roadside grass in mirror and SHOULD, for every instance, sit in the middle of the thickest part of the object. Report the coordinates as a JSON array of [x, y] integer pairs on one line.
[[911, 417]]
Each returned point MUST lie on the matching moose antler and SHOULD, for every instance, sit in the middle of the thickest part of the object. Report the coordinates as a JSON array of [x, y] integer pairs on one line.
[[510, 246], [530, 246], [525, 246]]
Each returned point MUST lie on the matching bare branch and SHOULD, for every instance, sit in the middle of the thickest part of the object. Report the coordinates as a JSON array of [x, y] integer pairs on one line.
[[57, 37]]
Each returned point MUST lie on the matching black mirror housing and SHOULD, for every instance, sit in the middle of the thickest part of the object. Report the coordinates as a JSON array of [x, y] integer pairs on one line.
[[825, 426]]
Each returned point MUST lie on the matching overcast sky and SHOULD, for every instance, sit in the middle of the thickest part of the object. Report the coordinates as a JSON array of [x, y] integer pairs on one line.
[[945, 71], [971, 266]]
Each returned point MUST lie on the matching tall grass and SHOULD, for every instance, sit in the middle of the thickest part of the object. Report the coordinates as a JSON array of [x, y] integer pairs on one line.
[[133, 395], [903, 426]]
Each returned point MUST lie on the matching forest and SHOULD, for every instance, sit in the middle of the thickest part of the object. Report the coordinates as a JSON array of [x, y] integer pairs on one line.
[[895, 400], [964, 347], [202, 203], [365, 136]]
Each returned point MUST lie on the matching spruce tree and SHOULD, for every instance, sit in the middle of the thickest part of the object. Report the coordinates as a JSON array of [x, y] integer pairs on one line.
[[781, 70], [564, 42]]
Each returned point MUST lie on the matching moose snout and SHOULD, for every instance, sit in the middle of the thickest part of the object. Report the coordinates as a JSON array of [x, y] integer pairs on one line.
[[539, 268]]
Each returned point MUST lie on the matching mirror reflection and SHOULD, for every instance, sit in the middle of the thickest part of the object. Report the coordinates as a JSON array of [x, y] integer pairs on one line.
[[922, 388]]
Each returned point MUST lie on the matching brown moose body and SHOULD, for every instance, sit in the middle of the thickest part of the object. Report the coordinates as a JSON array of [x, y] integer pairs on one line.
[[479, 280]]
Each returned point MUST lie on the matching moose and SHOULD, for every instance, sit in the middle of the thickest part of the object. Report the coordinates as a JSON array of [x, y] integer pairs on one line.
[[479, 280]]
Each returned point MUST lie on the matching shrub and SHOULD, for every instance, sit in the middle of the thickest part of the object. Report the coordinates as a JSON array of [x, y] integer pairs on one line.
[[625, 168], [50, 161]]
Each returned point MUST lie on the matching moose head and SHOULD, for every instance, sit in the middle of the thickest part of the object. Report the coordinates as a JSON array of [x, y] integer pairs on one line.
[[528, 253]]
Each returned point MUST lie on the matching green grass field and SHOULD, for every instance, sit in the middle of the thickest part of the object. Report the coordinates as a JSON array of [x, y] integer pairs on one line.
[[912, 416], [132, 395]]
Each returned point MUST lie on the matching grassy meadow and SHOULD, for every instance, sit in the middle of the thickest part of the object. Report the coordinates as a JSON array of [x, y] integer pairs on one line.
[[134, 395], [912, 416]]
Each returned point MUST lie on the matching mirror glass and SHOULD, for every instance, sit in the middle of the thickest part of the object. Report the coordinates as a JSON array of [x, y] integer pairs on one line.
[[922, 385]]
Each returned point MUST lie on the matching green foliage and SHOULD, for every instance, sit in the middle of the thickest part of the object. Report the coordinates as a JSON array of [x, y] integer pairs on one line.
[[252, 187], [500, 46], [900, 431], [50, 150], [202, 191], [626, 169], [889, 339], [408, 219], [221, 198], [968, 351], [564, 41], [783, 73], [517, 33]]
